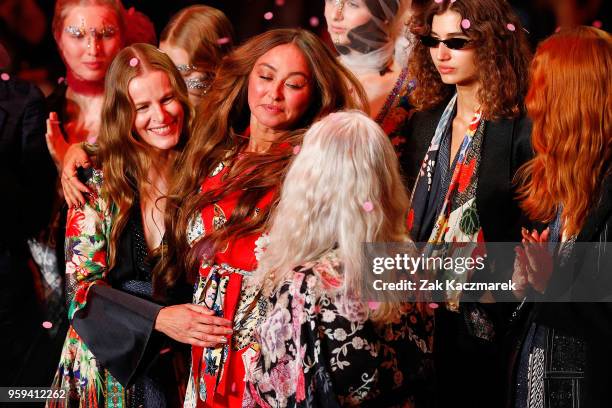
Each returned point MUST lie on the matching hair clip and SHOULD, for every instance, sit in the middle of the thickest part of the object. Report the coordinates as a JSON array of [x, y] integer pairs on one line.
[[465, 24], [134, 61], [368, 206]]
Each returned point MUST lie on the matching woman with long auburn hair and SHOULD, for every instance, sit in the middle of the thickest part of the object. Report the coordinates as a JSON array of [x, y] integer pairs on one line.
[[568, 184], [113, 354], [470, 62], [196, 39], [264, 94], [322, 341]]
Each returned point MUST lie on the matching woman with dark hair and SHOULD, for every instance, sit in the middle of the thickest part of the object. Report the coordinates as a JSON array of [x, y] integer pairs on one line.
[[566, 347], [471, 63], [264, 94], [117, 351]]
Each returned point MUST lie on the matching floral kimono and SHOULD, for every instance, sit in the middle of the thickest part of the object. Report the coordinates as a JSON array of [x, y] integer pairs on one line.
[[317, 351], [111, 353]]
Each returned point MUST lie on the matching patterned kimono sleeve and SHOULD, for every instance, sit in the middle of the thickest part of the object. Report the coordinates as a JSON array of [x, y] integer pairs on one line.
[[87, 232]]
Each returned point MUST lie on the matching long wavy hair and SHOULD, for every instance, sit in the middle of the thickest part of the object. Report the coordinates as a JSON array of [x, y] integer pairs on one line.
[[570, 103], [203, 32], [223, 115], [62, 7], [125, 158], [501, 56], [346, 160]]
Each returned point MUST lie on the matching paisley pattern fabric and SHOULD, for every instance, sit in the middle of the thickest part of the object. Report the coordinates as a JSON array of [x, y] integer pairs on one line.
[[457, 220], [217, 374]]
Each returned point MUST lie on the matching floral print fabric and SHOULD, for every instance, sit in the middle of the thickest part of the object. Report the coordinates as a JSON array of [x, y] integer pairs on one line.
[[87, 234], [316, 351], [217, 373], [395, 113]]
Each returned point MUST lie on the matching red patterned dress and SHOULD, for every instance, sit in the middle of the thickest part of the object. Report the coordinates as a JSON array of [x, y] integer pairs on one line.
[[217, 374]]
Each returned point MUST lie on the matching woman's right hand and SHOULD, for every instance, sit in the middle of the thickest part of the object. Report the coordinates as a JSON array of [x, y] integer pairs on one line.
[[74, 158], [193, 324]]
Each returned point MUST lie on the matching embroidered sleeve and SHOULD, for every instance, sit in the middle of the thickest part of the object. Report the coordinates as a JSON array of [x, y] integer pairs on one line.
[[87, 232]]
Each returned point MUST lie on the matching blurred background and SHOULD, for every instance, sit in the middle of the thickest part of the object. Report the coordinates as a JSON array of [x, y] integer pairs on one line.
[[25, 25]]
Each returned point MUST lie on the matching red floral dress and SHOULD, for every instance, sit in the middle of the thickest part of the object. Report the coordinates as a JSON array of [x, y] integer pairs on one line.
[[217, 374]]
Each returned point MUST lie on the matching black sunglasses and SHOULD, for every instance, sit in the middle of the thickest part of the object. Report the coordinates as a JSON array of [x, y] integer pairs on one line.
[[452, 43]]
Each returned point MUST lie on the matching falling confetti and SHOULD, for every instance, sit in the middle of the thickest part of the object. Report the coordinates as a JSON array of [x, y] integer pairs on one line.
[[133, 62], [269, 15], [368, 206], [296, 149], [223, 40], [433, 305], [597, 24], [438, 1], [165, 350], [510, 27], [280, 3], [60, 80], [47, 325], [5, 76], [314, 21], [373, 305], [465, 23]]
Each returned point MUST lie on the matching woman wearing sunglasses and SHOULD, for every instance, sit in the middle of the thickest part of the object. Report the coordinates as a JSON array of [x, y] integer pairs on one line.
[[471, 64]]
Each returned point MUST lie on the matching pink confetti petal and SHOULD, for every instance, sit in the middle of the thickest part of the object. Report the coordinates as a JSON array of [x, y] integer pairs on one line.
[[269, 15], [433, 305], [452, 1], [557, 29], [368, 206], [280, 3], [165, 350], [296, 149], [233, 387], [373, 305], [438, 1], [133, 62], [314, 21], [47, 325], [510, 27], [131, 11], [597, 24], [465, 23], [5, 76], [60, 80], [223, 40]]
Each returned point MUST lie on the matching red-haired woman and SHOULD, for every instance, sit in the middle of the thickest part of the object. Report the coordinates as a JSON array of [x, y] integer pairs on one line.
[[567, 347], [470, 64]]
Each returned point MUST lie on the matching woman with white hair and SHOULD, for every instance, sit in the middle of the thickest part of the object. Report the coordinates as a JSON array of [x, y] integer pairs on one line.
[[322, 343]]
